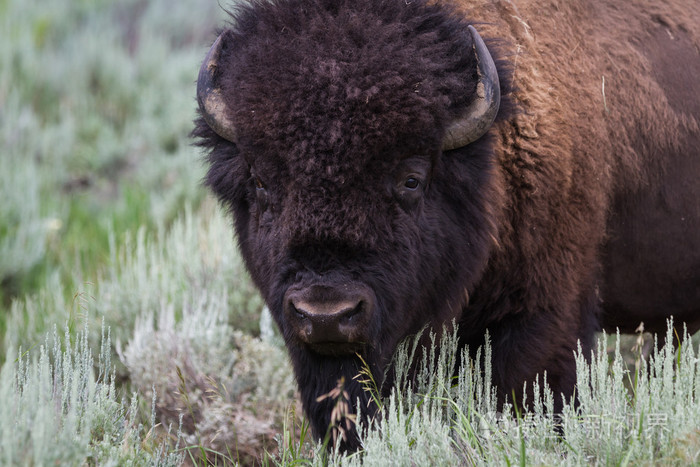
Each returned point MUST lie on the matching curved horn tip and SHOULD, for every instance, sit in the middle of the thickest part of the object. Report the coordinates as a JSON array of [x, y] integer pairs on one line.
[[479, 116], [209, 96]]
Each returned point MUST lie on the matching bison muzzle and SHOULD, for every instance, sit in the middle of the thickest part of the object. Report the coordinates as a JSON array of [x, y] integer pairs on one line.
[[331, 319]]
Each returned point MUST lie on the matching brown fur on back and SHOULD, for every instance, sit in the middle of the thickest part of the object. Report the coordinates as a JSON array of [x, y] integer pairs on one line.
[[608, 97]]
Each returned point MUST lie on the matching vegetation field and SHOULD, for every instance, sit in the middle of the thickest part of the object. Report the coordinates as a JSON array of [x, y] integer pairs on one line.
[[130, 333]]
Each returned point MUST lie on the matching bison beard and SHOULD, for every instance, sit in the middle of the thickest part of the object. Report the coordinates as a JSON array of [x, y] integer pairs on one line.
[[382, 180], [324, 374]]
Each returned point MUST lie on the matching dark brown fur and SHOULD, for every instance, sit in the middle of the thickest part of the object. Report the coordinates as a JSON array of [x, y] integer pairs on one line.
[[579, 210]]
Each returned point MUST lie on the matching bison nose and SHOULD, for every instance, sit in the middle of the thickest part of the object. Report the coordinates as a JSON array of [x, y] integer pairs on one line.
[[331, 320]]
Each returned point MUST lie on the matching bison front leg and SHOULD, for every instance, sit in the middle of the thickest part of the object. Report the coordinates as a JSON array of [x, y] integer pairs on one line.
[[527, 345]]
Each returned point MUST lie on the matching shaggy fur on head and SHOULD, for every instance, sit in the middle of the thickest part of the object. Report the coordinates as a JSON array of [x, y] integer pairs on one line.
[[529, 232]]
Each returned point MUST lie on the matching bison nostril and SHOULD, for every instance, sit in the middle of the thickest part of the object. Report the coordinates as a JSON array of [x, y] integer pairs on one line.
[[299, 313], [346, 316]]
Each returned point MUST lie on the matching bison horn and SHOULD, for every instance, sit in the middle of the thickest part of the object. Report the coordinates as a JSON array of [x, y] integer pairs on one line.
[[209, 96], [479, 116]]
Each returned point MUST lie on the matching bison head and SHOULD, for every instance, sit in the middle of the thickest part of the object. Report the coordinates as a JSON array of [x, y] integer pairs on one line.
[[339, 136]]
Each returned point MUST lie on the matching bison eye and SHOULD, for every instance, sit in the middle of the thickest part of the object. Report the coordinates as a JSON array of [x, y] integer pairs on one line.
[[259, 185], [411, 183], [260, 192]]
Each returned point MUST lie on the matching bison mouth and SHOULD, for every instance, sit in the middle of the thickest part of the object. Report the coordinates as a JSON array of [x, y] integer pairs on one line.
[[337, 349]]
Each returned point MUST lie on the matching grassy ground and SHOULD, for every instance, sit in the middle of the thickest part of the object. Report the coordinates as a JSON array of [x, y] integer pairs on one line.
[[131, 334]]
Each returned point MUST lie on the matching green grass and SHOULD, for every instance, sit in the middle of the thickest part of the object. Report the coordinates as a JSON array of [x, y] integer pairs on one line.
[[97, 104], [165, 354]]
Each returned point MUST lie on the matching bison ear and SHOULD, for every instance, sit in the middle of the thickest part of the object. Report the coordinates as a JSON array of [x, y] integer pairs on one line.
[[209, 96], [478, 117]]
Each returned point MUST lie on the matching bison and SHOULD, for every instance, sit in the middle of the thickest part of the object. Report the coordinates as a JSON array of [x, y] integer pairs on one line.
[[388, 169]]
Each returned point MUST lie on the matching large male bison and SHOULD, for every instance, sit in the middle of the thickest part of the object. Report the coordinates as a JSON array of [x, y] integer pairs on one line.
[[387, 171]]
